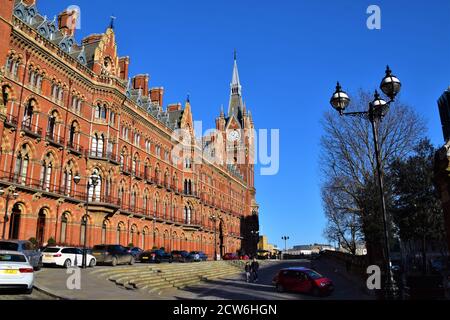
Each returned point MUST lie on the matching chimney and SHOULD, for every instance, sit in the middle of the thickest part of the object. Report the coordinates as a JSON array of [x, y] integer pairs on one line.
[[174, 107], [141, 82], [124, 63], [156, 94], [67, 22]]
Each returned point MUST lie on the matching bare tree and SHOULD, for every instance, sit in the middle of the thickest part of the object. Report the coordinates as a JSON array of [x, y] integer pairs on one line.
[[348, 163]]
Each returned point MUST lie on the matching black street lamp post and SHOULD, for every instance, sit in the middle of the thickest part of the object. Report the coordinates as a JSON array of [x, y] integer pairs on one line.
[[91, 182], [285, 239], [10, 195], [378, 108]]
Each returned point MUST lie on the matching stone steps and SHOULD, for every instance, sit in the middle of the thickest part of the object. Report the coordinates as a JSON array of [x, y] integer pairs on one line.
[[158, 277]]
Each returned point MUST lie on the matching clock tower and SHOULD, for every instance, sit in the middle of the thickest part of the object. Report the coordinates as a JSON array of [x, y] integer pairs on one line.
[[237, 131]]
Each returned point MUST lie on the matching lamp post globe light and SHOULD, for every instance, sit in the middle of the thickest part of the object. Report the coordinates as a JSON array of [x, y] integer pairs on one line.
[[10, 194], [91, 182], [378, 108]]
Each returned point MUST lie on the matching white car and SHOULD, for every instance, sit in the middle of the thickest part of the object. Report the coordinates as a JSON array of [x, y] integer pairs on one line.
[[66, 257], [15, 271]]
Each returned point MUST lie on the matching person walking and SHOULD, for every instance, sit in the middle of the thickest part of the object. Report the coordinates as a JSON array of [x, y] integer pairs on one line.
[[248, 269], [254, 268]]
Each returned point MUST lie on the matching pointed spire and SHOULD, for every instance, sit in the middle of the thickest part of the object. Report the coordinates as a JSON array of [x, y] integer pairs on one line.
[[111, 24], [235, 105], [235, 82], [188, 98], [222, 114]]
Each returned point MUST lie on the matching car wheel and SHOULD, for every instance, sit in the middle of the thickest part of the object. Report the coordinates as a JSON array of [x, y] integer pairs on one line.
[[67, 264], [131, 261], [280, 288], [170, 260], [92, 263], [29, 291], [316, 292], [114, 261]]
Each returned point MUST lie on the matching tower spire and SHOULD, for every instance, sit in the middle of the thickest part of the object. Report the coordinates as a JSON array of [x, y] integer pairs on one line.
[[235, 106]]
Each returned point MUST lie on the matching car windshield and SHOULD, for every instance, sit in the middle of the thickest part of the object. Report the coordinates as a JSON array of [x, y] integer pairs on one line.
[[51, 250], [99, 248], [12, 258], [8, 246], [313, 275]]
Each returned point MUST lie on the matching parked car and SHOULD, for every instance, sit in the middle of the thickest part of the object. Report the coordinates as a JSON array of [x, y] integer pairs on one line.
[[156, 256], [66, 257], [303, 280], [33, 255], [112, 254], [230, 256], [198, 256], [135, 252], [244, 257], [180, 256], [16, 272]]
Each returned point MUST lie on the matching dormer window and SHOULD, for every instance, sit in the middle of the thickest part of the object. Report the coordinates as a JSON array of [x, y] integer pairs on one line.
[[43, 32]]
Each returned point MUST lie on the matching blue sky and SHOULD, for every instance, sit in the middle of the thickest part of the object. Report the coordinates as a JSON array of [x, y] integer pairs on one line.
[[290, 54]]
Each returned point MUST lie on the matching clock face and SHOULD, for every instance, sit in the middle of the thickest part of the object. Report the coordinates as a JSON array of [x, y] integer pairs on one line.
[[234, 135]]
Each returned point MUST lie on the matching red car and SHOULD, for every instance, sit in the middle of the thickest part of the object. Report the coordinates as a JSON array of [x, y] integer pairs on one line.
[[303, 280], [230, 256]]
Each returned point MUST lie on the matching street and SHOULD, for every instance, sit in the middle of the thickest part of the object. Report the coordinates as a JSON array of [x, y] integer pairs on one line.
[[94, 287], [237, 289]]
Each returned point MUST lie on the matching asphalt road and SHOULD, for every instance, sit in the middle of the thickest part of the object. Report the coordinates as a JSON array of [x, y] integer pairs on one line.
[[231, 288], [11, 296], [237, 289]]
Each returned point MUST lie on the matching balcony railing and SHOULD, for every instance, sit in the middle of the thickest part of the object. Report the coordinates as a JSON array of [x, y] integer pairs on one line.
[[74, 148], [125, 169], [99, 154], [54, 139], [11, 121], [31, 130]]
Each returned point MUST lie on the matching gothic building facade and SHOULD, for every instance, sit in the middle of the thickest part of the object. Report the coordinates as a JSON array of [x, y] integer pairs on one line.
[[90, 155]]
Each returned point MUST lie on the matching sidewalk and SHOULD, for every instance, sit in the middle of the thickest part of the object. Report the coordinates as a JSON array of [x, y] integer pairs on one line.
[[53, 282], [331, 266]]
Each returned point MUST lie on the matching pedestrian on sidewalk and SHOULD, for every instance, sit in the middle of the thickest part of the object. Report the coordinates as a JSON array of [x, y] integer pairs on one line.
[[248, 269], [254, 269]]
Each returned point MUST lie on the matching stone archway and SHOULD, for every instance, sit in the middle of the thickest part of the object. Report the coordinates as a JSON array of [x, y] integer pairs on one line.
[[14, 221], [40, 227]]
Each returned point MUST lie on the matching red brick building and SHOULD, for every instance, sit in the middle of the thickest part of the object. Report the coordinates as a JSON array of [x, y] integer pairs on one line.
[[69, 111]]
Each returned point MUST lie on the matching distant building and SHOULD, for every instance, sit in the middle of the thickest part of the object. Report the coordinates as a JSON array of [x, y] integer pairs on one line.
[[309, 249], [361, 249], [265, 248]]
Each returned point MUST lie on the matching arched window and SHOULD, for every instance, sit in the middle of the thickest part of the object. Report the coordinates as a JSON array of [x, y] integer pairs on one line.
[[67, 179], [63, 235], [145, 204], [94, 191], [97, 148], [22, 162], [133, 199], [52, 125], [121, 195], [47, 172], [72, 133], [187, 215], [28, 114]]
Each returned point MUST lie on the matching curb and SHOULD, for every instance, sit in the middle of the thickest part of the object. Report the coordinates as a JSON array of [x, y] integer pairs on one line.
[[49, 293]]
